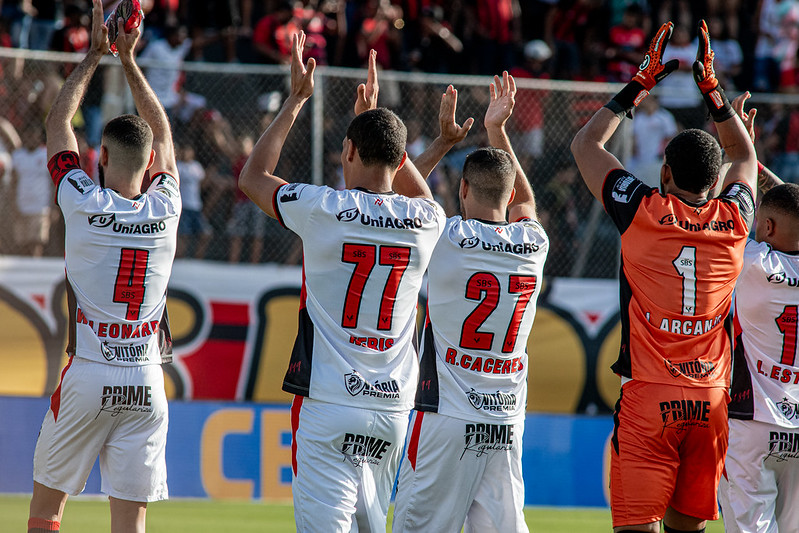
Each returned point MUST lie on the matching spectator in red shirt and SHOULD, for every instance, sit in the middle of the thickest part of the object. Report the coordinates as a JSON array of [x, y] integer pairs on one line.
[[626, 45], [271, 41]]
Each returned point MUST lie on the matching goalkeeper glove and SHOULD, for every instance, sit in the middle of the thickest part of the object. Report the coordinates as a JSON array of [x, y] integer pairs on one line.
[[650, 72], [705, 77]]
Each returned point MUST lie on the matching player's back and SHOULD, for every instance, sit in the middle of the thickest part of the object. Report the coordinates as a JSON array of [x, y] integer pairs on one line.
[[118, 255], [765, 383], [364, 258], [483, 283], [679, 266]]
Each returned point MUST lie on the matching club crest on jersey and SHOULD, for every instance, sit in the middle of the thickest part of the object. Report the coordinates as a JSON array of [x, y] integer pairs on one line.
[[789, 410], [354, 383], [356, 386], [348, 215], [81, 182], [290, 193], [469, 242], [107, 352], [102, 220]]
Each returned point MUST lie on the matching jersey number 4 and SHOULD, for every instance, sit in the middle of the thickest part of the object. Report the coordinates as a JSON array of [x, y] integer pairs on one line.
[[364, 257], [484, 287], [129, 287]]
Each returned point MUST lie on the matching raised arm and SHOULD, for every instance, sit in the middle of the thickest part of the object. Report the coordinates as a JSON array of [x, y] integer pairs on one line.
[[766, 179], [147, 103], [588, 146], [500, 108], [450, 134], [733, 135], [257, 180], [58, 126]]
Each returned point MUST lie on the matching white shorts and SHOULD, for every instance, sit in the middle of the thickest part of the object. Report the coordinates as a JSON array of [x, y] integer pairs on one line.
[[759, 491], [457, 474], [117, 412], [345, 461]]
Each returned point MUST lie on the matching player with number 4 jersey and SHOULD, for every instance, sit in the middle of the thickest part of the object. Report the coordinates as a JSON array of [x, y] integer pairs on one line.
[[464, 447], [353, 369], [681, 252], [120, 242]]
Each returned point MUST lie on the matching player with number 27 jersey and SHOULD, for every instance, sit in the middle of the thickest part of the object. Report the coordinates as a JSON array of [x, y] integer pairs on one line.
[[132, 242], [364, 256], [474, 359]]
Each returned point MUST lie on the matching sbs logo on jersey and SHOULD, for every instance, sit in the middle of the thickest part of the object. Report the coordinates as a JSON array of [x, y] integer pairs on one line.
[[81, 182], [348, 215], [102, 220], [781, 277]]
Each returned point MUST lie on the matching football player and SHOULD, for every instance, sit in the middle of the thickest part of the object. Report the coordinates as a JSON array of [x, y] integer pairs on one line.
[[353, 369], [681, 254], [120, 243]]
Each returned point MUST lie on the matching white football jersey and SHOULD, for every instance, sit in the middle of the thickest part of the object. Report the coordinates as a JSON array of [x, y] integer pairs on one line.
[[483, 283], [118, 255], [364, 259], [765, 376]]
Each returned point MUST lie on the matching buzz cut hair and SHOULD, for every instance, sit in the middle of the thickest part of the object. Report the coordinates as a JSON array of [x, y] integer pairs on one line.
[[694, 156], [783, 198], [380, 136], [128, 139], [490, 174]]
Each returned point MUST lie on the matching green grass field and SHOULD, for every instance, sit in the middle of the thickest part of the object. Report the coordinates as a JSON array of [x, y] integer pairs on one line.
[[90, 515]]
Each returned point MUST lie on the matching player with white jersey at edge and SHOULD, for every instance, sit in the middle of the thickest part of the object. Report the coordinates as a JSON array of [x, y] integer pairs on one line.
[[353, 369], [463, 462], [120, 244], [759, 490]]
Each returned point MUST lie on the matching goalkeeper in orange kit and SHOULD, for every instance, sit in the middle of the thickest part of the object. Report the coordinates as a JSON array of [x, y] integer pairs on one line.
[[682, 251]]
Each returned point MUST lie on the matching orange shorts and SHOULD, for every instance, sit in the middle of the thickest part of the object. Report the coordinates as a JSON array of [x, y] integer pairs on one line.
[[669, 444]]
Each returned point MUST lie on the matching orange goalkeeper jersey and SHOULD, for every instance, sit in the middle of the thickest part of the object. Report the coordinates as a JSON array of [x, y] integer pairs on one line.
[[678, 270]]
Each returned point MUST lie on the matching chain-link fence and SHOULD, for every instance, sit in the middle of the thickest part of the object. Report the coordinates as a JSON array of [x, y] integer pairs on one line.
[[220, 110]]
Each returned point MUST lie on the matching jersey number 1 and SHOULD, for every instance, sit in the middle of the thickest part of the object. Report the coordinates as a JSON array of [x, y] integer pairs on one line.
[[129, 287], [788, 323], [685, 264]]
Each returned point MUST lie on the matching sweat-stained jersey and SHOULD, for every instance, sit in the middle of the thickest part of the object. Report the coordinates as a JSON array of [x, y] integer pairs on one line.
[[118, 255], [678, 270], [364, 258], [765, 376], [483, 283]]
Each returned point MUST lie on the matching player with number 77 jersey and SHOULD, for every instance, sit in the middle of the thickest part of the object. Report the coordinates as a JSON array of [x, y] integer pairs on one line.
[[353, 369]]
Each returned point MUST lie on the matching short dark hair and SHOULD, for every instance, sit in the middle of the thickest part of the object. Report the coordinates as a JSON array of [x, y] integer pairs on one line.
[[379, 135], [490, 173], [130, 138], [783, 198], [695, 160]]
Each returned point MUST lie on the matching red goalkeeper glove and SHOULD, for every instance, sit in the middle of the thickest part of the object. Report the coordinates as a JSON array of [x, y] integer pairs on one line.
[[705, 77], [650, 72]]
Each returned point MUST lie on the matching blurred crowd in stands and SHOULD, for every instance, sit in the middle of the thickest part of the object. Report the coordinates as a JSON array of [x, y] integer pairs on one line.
[[755, 42]]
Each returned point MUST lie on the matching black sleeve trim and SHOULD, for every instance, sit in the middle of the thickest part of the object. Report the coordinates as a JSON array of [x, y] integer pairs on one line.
[[276, 208]]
